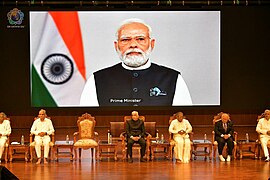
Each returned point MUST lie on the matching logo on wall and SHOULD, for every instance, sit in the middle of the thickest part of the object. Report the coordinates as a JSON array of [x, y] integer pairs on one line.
[[15, 17], [57, 68]]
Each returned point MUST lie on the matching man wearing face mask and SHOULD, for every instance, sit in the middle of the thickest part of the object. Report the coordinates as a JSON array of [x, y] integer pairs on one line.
[[136, 81]]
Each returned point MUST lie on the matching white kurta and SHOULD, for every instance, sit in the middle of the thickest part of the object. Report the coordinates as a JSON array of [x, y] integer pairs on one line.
[[38, 127], [262, 127], [182, 147], [5, 130]]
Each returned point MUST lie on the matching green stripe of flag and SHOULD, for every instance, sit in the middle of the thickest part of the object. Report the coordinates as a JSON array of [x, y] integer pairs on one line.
[[40, 95]]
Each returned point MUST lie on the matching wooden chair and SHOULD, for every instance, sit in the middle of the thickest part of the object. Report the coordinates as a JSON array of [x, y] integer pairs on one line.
[[116, 129], [6, 145], [86, 137], [172, 141], [151, 131], [150, 128], [32, 144], [215, 143], [259, 139], [135, 146]]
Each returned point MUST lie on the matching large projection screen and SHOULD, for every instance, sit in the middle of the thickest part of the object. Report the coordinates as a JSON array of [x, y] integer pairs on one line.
[[187, 41]]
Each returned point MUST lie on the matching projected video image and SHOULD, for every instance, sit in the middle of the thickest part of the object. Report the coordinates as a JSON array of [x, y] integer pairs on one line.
[[124, 58]]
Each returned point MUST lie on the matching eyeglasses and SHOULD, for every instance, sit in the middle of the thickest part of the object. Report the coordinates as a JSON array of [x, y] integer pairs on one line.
[[139, 39]]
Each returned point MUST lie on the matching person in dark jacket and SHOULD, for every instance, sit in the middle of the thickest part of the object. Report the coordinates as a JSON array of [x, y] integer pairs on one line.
[[136, 81], [224, 134], [135, 134]]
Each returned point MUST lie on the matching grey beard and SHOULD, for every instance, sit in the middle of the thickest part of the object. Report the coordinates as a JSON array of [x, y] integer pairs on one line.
[[135, 60]]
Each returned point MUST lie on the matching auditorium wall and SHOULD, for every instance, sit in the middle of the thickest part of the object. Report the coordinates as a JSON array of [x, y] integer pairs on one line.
[[245, 85]]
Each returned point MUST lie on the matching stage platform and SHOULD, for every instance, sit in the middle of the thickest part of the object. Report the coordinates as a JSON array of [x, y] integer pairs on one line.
[[160, 169]]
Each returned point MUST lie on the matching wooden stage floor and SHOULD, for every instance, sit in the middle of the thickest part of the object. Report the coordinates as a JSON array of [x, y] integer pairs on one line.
[[158, 169]]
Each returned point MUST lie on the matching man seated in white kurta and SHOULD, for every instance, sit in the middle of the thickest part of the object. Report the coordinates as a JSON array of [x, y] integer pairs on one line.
[[42, 128], [180, 128], [5, 131], [263, 128]]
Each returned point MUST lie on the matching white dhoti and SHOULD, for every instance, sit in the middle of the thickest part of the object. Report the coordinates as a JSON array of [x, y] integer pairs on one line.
[[264, 140], [182, 148], [3, 140], [45, 141]]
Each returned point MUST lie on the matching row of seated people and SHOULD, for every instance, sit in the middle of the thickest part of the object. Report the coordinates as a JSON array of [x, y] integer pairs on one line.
[[42, 128], [224, 126], [180, 130], [224, 137], [43, 132], [42, 136]]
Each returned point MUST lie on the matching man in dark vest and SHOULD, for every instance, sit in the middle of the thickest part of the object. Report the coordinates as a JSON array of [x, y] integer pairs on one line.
[[136, 81], [135, 134]]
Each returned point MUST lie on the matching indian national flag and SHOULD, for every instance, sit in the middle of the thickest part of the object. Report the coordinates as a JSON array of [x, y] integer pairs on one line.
[[57, 59]]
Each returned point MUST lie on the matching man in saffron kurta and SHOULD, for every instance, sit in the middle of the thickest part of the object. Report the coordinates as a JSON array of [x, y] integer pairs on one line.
[[180, 128]]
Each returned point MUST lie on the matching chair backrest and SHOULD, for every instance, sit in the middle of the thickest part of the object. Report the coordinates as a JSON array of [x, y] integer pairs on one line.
[[173, 117], [261, 116], [126, 118], [217, 118], [7, 118], [150, 127], [35, 118], [86, 124], [116, 128]]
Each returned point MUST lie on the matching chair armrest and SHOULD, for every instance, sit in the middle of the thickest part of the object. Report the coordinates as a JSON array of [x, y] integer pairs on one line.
[[123, 139], [148, 135], [52, 140], [74, 136], [170, 136], [235, 136], [148, 138], [31, 138], [8, 139], [191, 134], [96, 137], [123, 135], [213, 137]]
